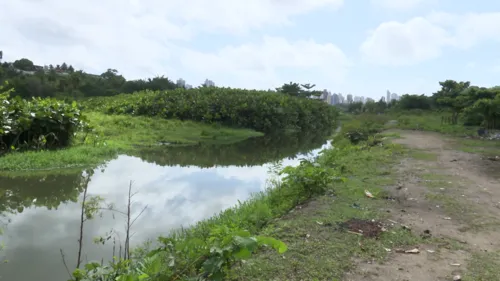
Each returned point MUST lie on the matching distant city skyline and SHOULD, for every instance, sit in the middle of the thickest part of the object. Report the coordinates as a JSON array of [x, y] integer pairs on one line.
[[338, 98]]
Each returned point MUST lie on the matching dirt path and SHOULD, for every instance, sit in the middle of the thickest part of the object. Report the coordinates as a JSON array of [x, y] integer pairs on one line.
[[445, 194]]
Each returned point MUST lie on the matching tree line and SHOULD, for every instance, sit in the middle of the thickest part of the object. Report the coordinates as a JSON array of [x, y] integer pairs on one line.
[[63, 81], [460, 101]]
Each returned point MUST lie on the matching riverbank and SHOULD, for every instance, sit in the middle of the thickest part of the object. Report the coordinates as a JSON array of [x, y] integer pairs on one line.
[[343, 183], [115, 134]]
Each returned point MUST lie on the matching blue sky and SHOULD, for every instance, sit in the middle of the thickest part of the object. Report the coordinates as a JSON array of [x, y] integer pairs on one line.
[[362, 47]]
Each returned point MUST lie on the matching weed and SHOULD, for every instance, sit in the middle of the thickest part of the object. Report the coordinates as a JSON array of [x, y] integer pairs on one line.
[[424, 156]]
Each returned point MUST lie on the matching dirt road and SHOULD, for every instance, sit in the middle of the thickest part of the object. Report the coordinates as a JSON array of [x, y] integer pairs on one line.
[[444, 194]]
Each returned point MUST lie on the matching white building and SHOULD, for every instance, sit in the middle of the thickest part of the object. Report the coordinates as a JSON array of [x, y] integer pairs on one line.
[[209, 83], [335, 99], [349, 98], [181, 83]]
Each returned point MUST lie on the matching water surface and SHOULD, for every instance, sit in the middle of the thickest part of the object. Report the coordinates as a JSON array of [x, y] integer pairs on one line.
[[177, 186]]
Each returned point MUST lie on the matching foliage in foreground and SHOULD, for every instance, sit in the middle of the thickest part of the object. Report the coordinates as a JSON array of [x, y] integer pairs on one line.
[[264, 111], [39, 123], [211, 248]]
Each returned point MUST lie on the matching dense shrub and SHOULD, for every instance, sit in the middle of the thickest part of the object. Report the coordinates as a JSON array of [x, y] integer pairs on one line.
[[36, 123], [362, 128], [263, 111]]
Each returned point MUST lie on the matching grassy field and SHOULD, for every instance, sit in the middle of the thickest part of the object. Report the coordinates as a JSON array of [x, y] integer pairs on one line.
[[465, 138], [429, 121], [121, 134]]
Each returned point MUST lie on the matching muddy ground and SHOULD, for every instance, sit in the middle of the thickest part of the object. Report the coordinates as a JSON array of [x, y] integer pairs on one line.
[[445, 193]]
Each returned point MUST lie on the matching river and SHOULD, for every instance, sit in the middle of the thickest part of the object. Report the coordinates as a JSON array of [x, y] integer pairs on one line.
[[175, 187]]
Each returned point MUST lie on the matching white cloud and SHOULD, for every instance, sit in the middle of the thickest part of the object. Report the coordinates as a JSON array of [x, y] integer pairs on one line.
[[395, 43], [420, 39], [139, 38], [474, 28], [245, 64], [398, 4]]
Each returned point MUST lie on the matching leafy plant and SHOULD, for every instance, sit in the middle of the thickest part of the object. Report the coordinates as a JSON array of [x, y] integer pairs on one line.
[[211, 260], [264, 111], [38, 123]]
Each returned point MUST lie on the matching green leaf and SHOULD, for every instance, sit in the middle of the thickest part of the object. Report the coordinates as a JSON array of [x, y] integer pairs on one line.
[[278, 245], [92, 266]]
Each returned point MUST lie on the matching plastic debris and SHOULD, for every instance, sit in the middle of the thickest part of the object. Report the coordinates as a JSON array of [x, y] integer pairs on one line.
[[368, 194]]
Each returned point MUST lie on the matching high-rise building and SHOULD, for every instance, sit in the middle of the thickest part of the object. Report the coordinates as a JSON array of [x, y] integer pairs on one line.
[[329, 99], [388, 100], [188, 86], [324, 95], [341, 98], [349, 98], [394, 96], [335, 99], [181, 83], [209, 83]]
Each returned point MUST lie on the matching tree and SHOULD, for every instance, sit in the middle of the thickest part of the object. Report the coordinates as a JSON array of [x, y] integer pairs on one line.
[[64, 67], [292, 89], [355, 107], [488, 109], [408, 102], [1, 55], [298, 90], [24, 64], [447, 97], [308, 86]]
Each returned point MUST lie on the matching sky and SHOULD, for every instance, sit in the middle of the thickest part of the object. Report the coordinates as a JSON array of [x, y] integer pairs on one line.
[[361, 47]]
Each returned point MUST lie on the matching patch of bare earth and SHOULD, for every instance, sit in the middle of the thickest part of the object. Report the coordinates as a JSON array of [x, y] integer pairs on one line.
[[453, 196]]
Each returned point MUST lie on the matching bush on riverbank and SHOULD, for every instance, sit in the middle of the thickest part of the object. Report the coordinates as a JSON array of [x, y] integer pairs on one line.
[[114, 134], [190, 254], [263, 111], [37, 123], [363, 127]]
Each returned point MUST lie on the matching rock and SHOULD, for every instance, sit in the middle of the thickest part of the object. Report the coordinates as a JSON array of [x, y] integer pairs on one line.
[[457, 278]]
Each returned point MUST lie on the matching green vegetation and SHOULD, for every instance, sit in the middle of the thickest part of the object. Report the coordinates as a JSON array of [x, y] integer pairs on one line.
[[319, 247], [425, 156], [64, 82], [36, 124], [263, 111], [157, 114], [113, 134], [483, 267], [341, 172], [455, 105]]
